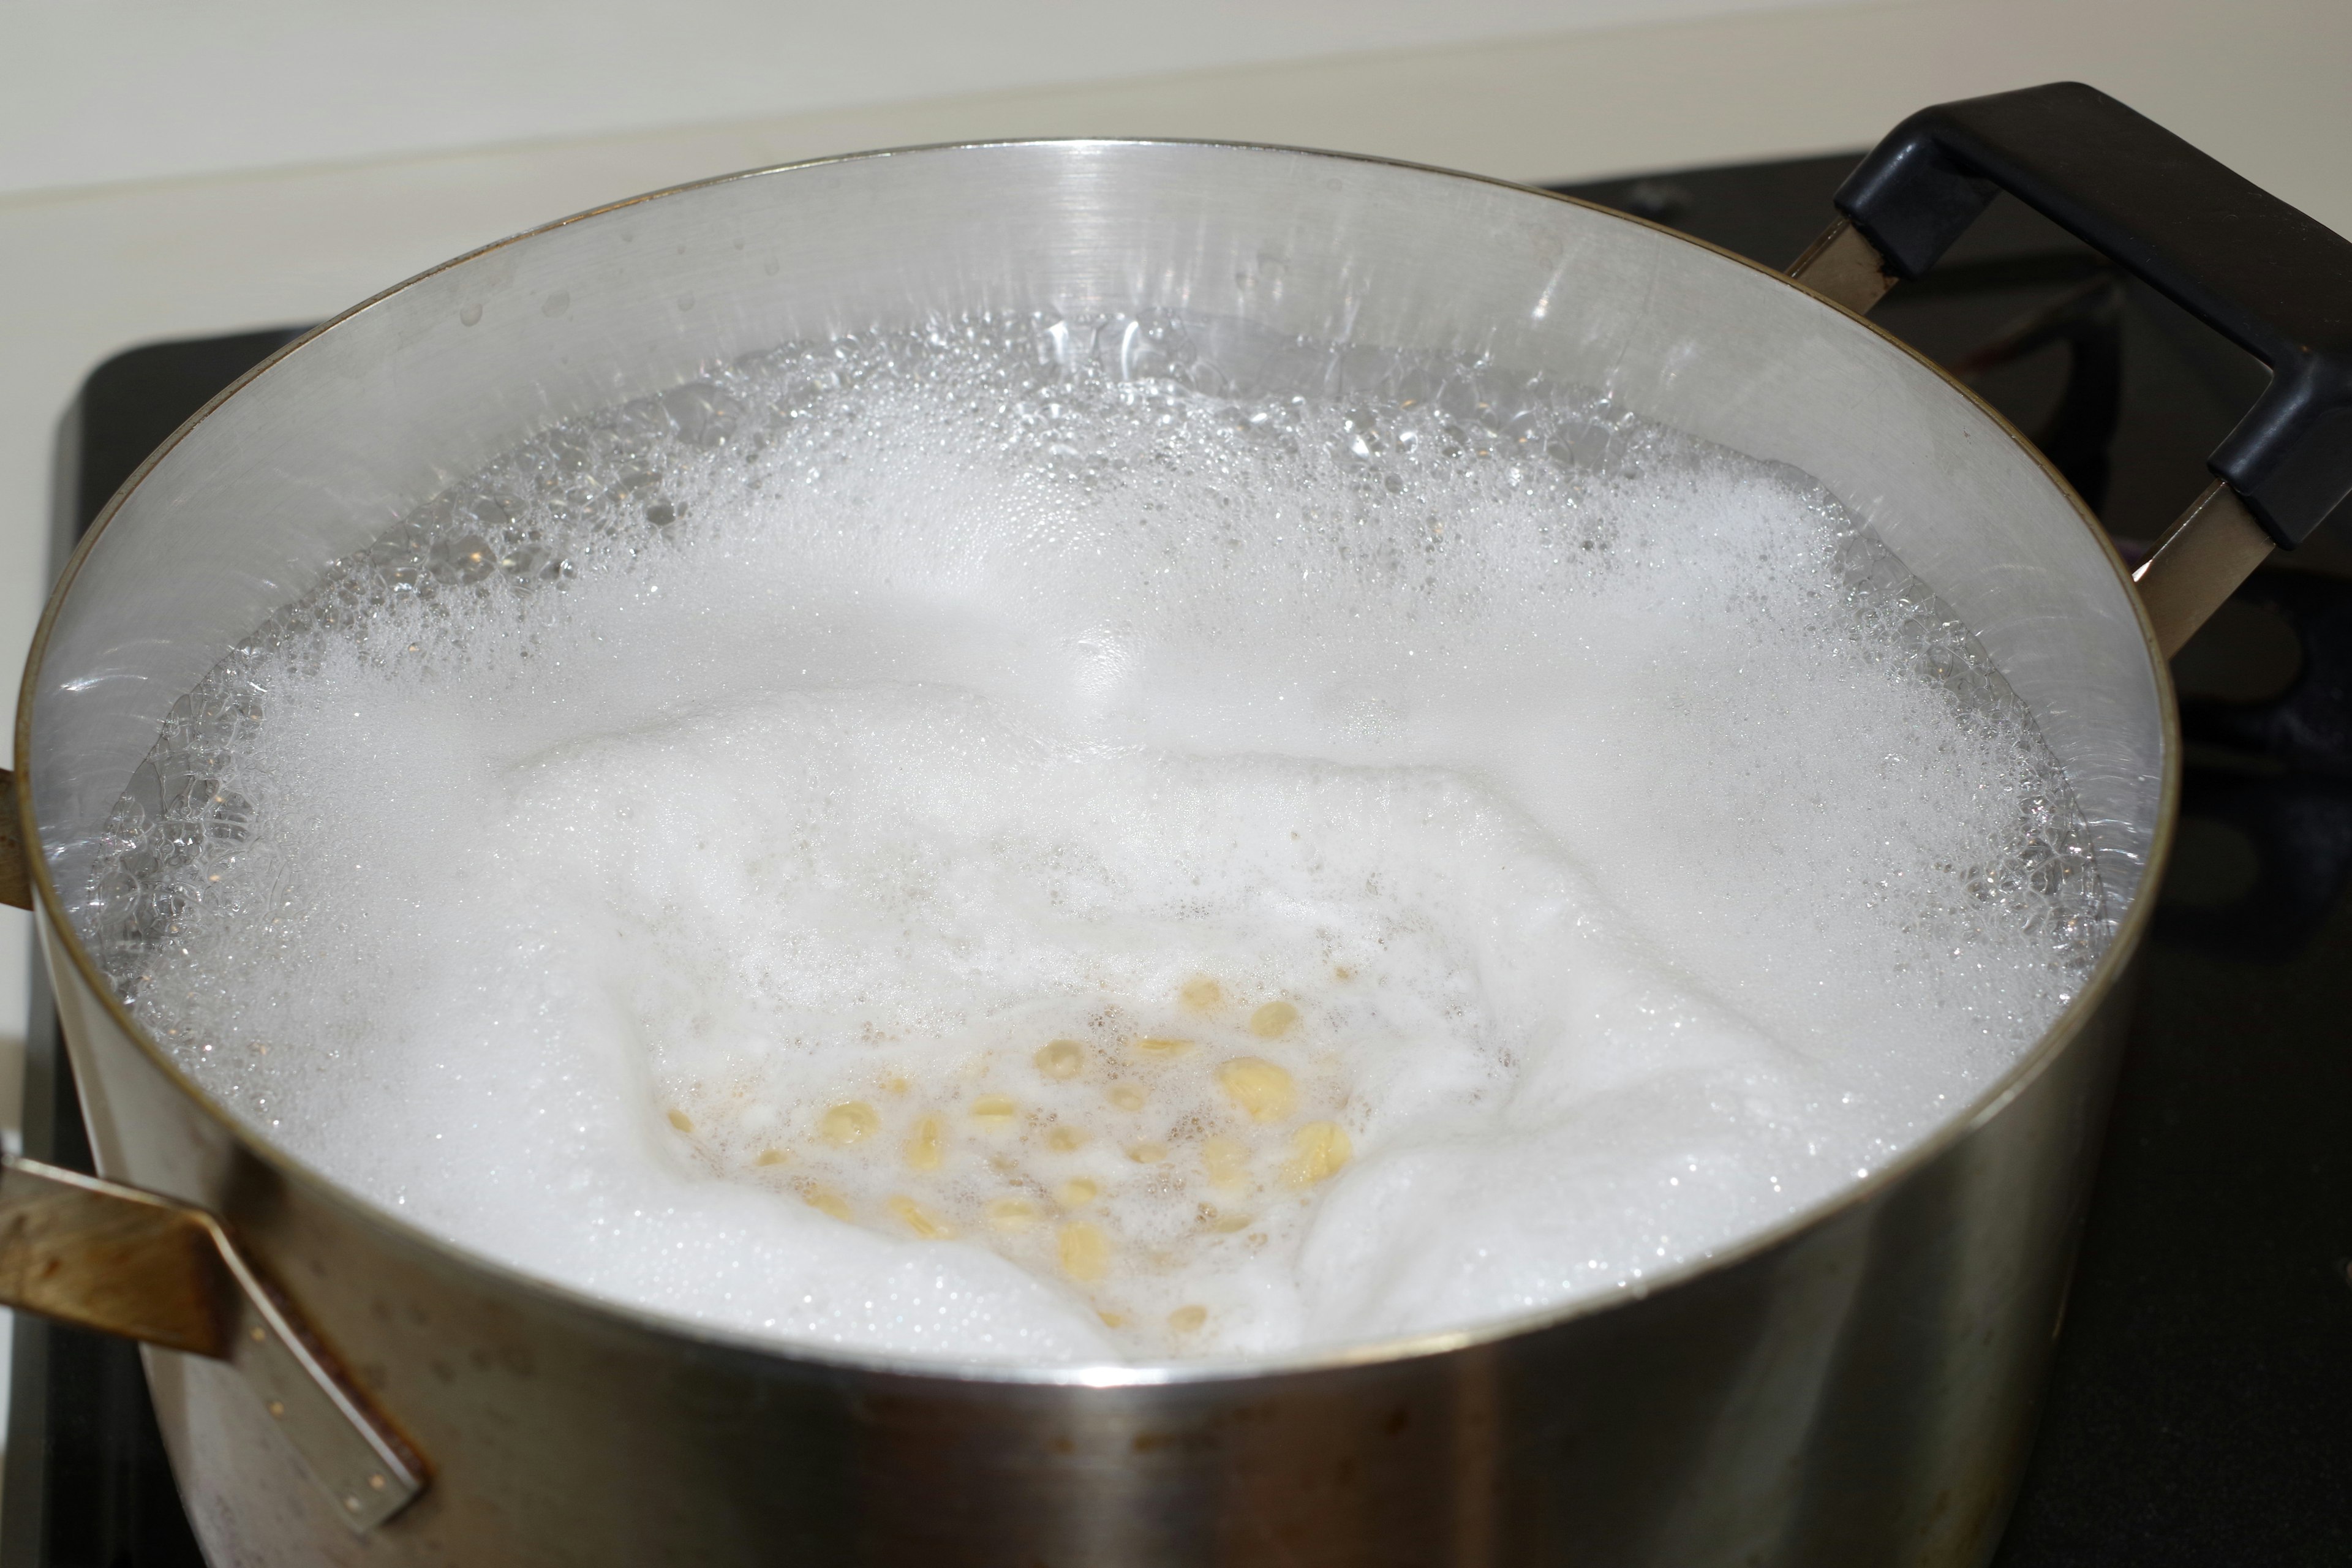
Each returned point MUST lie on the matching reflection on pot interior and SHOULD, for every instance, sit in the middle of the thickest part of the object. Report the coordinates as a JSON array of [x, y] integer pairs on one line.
[[1047, 839]]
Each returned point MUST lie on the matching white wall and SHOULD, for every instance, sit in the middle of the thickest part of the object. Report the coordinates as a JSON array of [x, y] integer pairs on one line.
[[94, 91]]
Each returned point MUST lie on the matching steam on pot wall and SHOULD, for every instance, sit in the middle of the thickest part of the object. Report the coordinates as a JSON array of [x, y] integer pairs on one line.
[[1016, 841]]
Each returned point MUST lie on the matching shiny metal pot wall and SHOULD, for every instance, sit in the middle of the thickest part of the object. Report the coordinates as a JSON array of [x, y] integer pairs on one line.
[[1857, 1386]]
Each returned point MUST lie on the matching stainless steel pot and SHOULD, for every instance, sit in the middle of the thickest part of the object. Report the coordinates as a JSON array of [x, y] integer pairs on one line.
[[1856, 1386]]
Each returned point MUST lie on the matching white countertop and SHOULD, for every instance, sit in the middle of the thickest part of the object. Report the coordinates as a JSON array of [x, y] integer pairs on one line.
[[359, 191]]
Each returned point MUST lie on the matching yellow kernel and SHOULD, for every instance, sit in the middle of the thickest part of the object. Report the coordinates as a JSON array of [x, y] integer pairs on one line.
[[927, 1145], [1011, 1214], [1077, 1193], [1201, 994], [1061, 1060], [826, 1200], [1147, 1153], [897, 1083], [1085, 1251], [918, 1219], [1342, 972], [1264, 1090], [1112, 1319], [772, 1157], [1062, 1138], [1159, 1045], [1226, 1223], [851, 1123], [681, 1120], [1226, 1160], [994, 1112], [1317, 1150], [1126, 1096], [1271, 1021], [1188, 1319]]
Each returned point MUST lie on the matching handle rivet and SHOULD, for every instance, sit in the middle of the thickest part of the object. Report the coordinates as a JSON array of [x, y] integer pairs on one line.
[[278, 1408]]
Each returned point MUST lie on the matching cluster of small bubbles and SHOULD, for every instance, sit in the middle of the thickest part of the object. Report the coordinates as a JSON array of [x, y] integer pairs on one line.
[[176, 832], [2043, 877], [1221, 838]]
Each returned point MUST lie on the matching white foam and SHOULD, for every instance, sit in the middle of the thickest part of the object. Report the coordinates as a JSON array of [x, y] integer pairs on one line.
[[845, 729]]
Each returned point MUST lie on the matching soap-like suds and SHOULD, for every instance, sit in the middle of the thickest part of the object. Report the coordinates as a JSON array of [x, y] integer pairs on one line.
[[1014, 842]]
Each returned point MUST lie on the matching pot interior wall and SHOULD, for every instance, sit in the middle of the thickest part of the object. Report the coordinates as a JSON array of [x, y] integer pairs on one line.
[[326, 449]]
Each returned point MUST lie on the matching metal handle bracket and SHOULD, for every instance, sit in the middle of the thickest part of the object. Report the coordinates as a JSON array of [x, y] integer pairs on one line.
[[102, 1255], [2208, 550], [16, 881], [1844, 267]]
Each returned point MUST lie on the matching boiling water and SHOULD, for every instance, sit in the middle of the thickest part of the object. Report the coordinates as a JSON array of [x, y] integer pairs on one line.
[[1010, 842]]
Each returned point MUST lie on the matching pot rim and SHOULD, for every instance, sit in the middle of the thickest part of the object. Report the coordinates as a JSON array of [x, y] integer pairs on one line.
[[349, 1204]]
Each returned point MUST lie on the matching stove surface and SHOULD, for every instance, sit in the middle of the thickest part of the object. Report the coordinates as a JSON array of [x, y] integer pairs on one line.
[[2201, 1409]]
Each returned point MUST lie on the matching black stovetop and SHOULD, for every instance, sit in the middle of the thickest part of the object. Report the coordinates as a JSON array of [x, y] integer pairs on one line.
[[2200, 1412]]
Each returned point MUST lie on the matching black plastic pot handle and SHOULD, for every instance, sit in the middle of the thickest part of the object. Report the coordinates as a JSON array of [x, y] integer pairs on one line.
[[2271, 280]]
